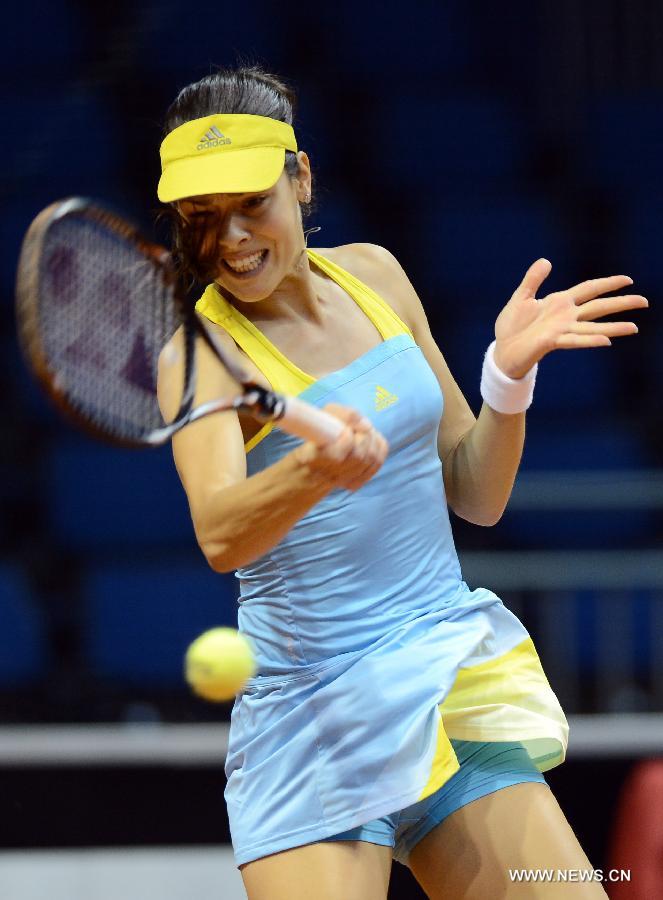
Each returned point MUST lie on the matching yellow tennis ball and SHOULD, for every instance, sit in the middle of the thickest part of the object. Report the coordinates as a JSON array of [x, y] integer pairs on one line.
[[218, 663]]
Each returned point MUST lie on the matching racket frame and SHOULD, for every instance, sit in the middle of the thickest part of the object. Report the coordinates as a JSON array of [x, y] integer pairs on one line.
[[263, 404]]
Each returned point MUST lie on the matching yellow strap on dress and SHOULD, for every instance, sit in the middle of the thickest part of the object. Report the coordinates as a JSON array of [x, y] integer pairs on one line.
[[282, 374], [378, 311]]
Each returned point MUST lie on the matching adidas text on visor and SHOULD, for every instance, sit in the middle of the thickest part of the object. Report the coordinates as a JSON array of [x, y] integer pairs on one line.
[[231, 154]]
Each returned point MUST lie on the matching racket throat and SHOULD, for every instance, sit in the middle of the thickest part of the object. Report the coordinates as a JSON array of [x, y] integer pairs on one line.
[[263, 405]]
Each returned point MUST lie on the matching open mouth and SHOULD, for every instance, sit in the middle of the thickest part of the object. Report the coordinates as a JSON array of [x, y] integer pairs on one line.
[[248, 266]]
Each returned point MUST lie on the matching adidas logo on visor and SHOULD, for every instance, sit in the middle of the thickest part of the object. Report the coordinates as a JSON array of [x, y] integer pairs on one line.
[[212, 138]]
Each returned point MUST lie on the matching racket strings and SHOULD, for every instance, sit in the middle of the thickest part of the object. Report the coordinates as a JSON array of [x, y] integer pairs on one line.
[[106, 313]]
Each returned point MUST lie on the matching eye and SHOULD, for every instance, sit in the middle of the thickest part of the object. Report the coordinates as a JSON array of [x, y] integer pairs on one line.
[[255, 202]]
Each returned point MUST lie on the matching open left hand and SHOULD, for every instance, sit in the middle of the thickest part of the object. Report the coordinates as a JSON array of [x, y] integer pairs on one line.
[[527, 329]]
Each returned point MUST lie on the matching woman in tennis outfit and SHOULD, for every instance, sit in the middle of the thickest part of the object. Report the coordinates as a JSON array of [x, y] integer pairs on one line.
[[395, 713]]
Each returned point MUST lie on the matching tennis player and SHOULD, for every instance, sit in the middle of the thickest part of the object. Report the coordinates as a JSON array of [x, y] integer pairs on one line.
[[396, 713]]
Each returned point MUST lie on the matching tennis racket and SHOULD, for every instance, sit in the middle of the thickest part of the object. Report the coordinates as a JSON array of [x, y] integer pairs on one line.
[[96, 305]]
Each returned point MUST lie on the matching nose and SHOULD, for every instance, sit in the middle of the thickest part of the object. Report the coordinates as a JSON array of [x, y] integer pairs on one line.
[[233, 231]]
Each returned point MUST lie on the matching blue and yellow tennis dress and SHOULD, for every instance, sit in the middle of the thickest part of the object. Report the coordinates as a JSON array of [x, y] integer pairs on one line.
[[372, 651]]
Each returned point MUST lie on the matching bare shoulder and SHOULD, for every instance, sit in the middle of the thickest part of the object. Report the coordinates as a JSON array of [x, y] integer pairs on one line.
[[363, 255], [366, 261], [381, 271]]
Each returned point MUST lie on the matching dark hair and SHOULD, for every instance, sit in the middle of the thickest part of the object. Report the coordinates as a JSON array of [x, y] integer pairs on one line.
[[246, 90]]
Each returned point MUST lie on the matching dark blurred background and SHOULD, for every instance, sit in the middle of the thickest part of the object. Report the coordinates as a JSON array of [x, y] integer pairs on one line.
[[469, 138]]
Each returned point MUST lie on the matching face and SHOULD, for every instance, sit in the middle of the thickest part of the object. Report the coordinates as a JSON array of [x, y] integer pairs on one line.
[[256, 239]]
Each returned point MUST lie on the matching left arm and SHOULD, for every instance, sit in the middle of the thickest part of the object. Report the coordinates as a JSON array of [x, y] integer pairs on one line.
[[482, 467], [481, 456]]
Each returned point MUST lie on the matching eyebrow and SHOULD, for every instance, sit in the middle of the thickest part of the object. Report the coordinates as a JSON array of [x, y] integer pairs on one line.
[[211, 202]]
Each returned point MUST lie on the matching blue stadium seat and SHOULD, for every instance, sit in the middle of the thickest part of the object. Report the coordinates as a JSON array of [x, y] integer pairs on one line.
[[560, 444], [140, 617], [101, 497], [23, 645], [607, 638], [566, 443], [578, 380], [614, 645]]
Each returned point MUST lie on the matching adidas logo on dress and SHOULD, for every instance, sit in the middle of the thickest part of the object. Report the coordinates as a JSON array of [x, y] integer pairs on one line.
[[384, 398], [212, 138]]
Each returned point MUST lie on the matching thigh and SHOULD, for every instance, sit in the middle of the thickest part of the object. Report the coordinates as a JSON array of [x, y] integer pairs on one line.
[[469, 854], [342, 870]]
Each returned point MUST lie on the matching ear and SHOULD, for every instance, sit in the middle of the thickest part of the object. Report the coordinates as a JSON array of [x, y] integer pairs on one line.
[[303, 178]]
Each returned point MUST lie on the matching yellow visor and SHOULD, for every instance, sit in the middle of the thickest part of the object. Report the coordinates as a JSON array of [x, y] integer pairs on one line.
[[232, 154]]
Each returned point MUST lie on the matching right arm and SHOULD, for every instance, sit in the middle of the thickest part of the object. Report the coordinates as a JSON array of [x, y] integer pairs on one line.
[[238, 518]]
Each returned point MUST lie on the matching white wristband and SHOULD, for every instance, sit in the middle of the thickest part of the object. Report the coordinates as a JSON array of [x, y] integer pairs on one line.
[[504, 394]]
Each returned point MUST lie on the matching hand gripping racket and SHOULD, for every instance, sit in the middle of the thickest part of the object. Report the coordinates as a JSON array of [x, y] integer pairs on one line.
[[96, 305]]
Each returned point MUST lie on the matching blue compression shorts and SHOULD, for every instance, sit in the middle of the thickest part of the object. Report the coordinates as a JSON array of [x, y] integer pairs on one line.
[[485, 767]]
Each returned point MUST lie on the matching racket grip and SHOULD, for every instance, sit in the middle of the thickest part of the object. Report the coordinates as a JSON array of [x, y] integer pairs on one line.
[[308, 422]]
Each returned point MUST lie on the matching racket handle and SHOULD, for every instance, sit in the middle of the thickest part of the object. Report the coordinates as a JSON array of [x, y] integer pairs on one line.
[[308, 422]]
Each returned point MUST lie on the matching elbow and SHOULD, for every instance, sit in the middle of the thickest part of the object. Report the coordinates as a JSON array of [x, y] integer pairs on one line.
[[217, 554], [490, 520], [483, 521], [225, 556], [489, 517], [214, 539], [483, 517], [476, 510], [217, 558]]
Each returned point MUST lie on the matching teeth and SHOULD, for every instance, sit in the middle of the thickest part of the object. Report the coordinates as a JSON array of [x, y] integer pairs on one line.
[[246, 264]]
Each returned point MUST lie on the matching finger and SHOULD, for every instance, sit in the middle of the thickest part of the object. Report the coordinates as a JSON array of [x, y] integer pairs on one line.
[[371, 459], [363, 424], [359, 483], [572, 341], [372, 448], [340, 449], [534, 278], [348, 415], [335, 409], [610, 329], [361, 450], [606, 306], [588, 290], [365, 475], [373, 468]]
